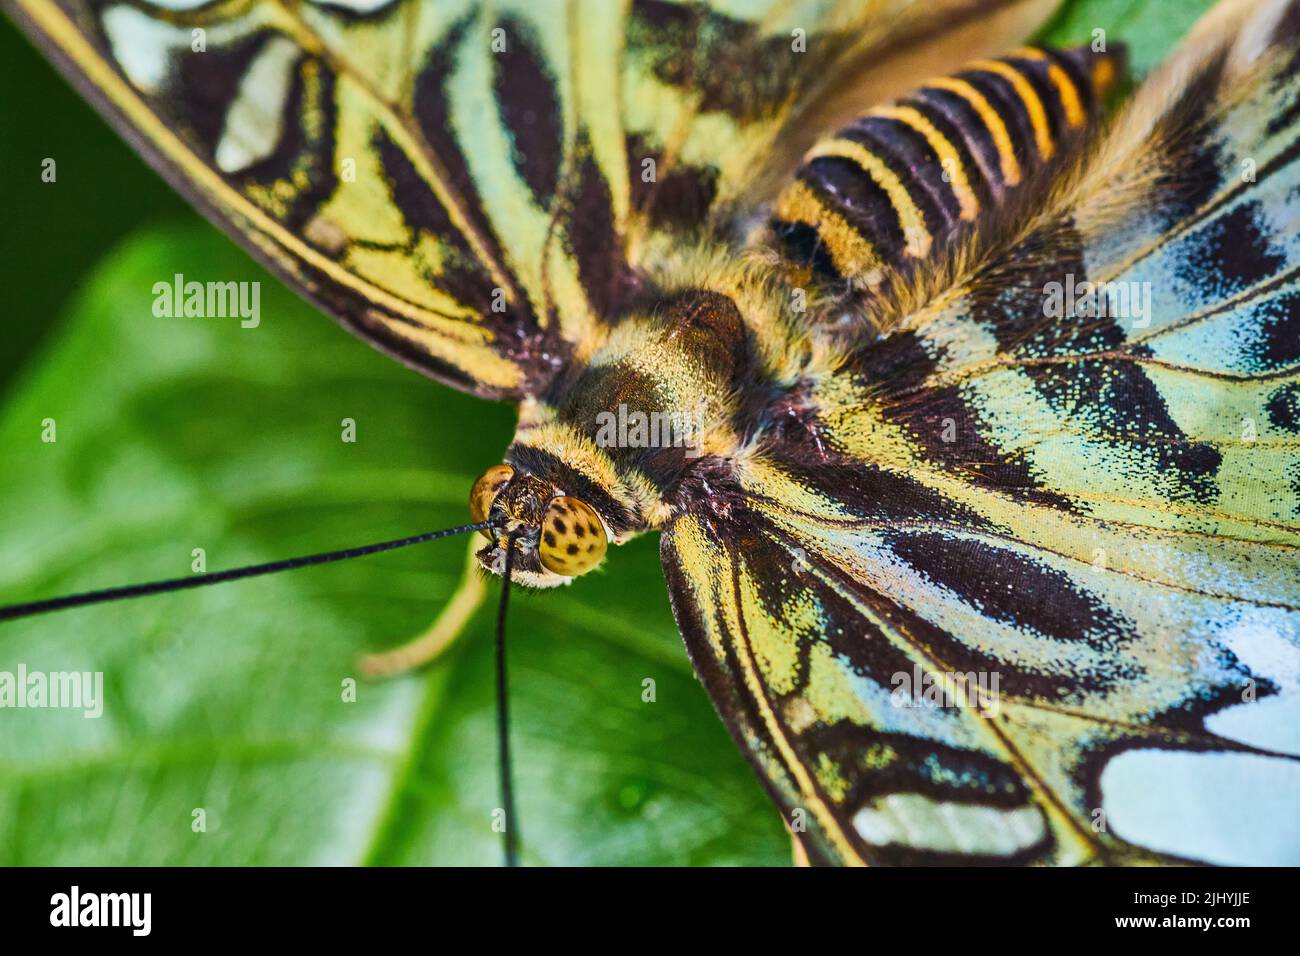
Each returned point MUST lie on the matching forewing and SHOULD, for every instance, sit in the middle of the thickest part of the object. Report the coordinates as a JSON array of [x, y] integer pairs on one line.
[[1101, 512], [307, 150], [478, 188]]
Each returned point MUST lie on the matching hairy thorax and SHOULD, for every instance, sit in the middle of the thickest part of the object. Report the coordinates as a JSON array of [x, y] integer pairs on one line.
[[652, 424]]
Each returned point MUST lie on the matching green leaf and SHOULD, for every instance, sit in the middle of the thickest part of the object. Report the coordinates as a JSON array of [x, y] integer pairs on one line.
[[1149, 29], [183, 433]]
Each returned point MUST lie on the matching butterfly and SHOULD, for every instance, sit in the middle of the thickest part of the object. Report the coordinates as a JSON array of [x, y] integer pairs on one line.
[[967, 416]]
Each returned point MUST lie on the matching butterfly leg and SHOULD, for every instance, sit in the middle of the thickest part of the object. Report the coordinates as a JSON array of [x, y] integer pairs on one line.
[[429, 644]]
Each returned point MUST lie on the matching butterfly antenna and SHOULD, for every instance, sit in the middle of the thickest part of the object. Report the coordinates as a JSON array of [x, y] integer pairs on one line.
[[250, 571], [510, 835]]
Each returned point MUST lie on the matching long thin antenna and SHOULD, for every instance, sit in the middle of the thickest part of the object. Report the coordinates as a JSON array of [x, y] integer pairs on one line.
[[510, 835], [202, 580]]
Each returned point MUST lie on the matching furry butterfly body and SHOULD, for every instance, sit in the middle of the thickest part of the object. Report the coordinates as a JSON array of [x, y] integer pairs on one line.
[[901, 464]]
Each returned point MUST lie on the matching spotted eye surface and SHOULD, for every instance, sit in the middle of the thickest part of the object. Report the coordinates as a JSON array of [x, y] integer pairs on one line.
[[573, 539], [485, 491]]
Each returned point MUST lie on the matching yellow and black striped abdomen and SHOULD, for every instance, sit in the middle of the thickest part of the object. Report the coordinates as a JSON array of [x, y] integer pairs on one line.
[[897, 184]]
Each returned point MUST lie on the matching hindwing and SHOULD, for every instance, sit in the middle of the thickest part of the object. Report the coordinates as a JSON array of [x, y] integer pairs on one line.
[[1019, 583]]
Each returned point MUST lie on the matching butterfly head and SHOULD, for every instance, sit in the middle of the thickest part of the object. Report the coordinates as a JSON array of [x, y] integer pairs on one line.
[[556, 536]]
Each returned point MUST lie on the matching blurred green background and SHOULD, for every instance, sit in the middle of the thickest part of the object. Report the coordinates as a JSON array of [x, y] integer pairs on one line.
[[191, 433]]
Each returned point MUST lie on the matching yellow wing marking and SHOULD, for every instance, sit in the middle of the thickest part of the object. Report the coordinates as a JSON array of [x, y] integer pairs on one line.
[[409, 138], [689, 536]]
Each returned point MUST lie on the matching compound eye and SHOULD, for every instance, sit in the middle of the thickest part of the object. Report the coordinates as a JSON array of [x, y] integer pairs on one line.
[[485, 491], [573, 539]]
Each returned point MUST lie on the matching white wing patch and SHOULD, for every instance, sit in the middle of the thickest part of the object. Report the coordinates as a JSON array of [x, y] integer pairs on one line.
[[1231, 809], [1271, 723], [255, 119], [356, 6], [177, 4], [911, 819], [142, 45]]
